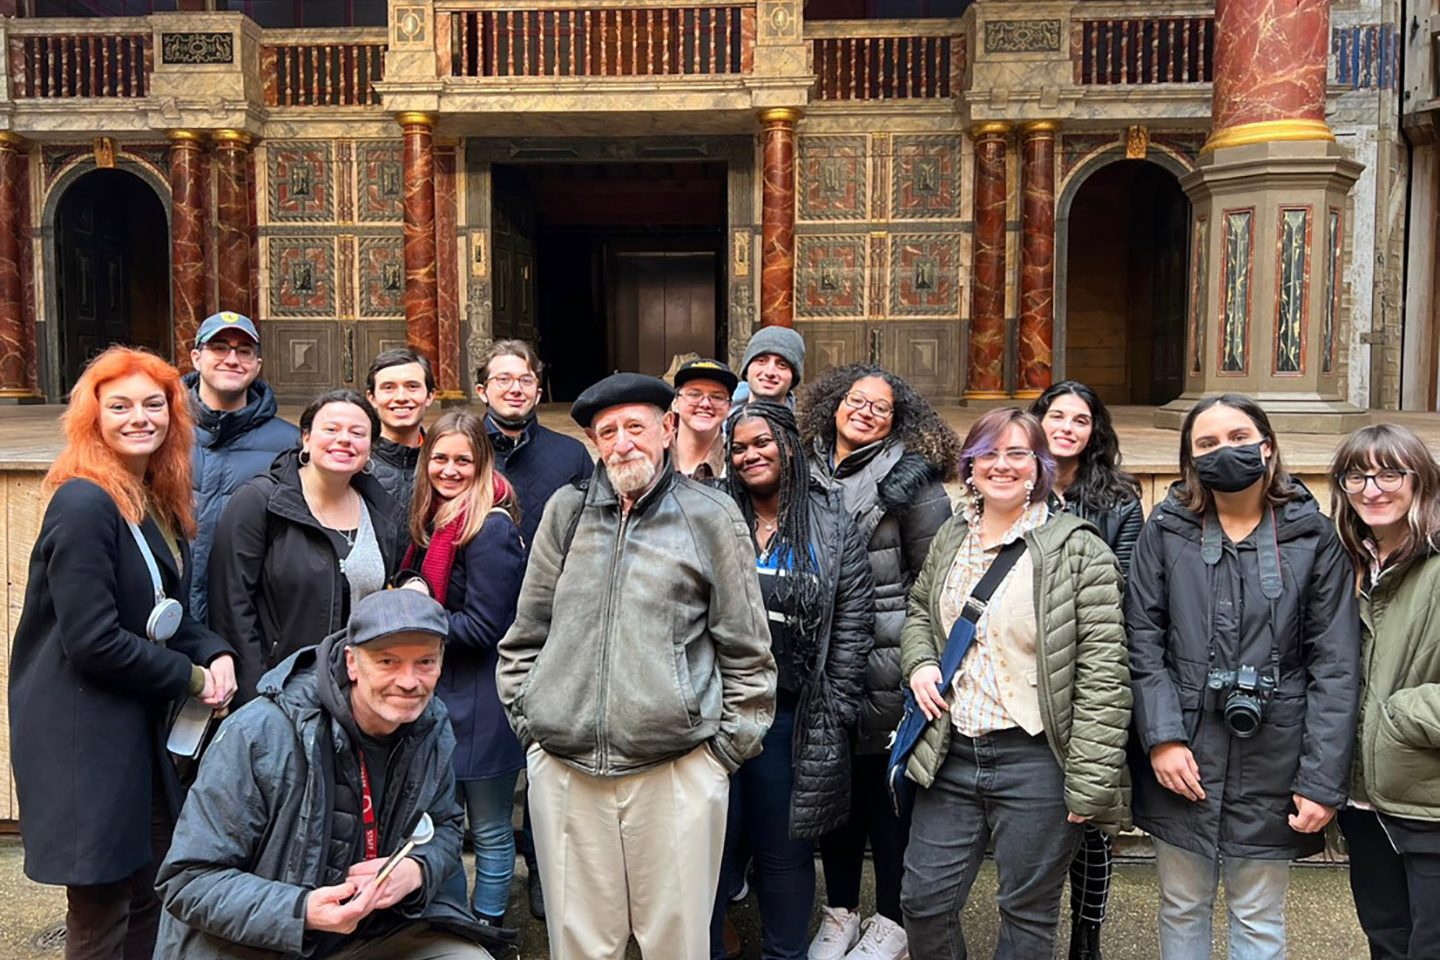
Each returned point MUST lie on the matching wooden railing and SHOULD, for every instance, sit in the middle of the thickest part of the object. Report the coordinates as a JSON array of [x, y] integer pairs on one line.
[[601, 39], [56, 65], [885, 60], [1149, 50], [310, 73]]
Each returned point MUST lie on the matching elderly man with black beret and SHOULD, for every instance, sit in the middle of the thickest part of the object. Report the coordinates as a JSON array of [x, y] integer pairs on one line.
[[307, 791], [638, 675]]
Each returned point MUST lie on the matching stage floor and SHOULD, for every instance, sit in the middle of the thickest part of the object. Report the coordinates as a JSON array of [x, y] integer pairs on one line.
[[30, 436]]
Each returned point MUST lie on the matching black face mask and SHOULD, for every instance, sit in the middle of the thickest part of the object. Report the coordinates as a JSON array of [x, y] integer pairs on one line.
[[507, 424], [1231, 469]]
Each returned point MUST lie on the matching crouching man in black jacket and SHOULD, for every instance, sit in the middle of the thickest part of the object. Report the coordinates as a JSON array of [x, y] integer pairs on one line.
[[305, 792]]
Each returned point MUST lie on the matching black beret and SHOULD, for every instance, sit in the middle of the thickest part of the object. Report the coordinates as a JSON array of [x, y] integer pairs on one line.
[[616, 390]]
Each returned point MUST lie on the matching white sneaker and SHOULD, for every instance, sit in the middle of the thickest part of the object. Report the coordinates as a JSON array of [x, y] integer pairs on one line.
[[884, 940], [839, 931]]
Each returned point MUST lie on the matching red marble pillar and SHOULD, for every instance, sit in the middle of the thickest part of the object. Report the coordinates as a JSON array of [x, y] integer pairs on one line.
[[421, 322], [232, 221], [985, 379], [15, 343], [447, 275], [777, 248], [187, 242], [1037, 258], [1270, 62]]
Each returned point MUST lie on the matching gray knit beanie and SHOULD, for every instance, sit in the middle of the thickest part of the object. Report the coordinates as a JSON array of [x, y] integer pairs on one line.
[[784, 342]]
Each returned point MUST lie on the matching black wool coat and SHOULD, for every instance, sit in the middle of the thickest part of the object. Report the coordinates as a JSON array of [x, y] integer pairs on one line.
[[1176, 603], [275, 582], [90, 694]]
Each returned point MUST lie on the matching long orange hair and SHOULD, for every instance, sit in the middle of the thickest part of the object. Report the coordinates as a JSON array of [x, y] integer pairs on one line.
[[166, 489]]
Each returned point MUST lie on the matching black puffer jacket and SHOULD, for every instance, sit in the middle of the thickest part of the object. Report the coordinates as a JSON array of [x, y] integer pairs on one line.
[[830, 697], [275, 582], [393, 464], [1181, 595], [1119, 527], [898, 502], [274, 815]]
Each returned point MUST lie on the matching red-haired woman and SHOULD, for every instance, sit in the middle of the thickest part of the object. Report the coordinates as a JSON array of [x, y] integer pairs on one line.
[[100, 655]]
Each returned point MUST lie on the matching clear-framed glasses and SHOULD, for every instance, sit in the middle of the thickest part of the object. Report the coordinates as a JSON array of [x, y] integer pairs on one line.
[[506, 380], [220, 349], [1013, 455], [696, 397], [1386, 481], [879, 408]]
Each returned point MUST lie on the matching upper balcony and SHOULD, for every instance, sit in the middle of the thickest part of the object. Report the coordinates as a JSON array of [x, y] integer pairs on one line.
[[607, 67]]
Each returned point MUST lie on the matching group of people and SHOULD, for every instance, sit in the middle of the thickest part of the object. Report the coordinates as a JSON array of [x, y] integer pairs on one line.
[[698, 647]]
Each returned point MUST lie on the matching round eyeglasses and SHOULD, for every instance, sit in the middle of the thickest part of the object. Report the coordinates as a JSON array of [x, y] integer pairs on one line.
[[1386, 481]]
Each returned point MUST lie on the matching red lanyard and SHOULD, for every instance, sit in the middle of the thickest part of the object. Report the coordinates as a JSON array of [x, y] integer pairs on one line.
[[367, 813]]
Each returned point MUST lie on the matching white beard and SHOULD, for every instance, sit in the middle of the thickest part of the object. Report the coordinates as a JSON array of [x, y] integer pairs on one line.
[[630, 475]]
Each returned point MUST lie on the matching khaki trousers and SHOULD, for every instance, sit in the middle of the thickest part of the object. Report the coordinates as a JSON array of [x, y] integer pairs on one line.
[[635, 854]]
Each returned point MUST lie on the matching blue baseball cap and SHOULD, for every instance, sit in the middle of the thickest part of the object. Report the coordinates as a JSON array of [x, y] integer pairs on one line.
[[226, 320]]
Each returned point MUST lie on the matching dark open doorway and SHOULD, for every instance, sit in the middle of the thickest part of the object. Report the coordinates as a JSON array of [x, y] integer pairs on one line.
[[610, 266], [1125, 284], [112, 248]]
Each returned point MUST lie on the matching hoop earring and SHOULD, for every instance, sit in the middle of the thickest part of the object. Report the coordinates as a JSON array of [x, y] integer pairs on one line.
[[304, 457], [369, 468]]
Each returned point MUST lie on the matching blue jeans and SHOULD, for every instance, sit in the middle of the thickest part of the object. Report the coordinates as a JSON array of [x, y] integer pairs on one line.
[[759, 821], [1254, 896], [488, 804]]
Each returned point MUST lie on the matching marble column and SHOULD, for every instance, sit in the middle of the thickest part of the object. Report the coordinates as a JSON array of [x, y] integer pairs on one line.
[[985, 379], [187, 241], [1270, 197], [232, 221], [447, 279], [777, 247], [1037, 258], [421, 315], [1269, 71], [16, 348]]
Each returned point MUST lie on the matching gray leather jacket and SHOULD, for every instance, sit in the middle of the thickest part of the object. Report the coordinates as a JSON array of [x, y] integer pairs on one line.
[[643, 638]]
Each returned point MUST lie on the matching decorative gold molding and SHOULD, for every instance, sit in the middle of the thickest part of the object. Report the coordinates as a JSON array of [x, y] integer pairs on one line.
[[232, 136], [185, 137], [1032, 127], [780, 115], [18, 393], [9, 138], [1028, 394], [986, 395], [1267, 131], [1137, 142], [991, 128], [104, 148], [450, 396], [413, 118]]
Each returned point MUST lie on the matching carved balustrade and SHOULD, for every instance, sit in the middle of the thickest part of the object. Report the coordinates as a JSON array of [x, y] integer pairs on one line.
[[1170, 43], [311, 68], [601, 38], [885, 60], [52, 59]]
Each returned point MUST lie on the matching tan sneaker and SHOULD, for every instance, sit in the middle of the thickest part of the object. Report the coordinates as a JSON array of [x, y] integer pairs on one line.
[[839, 931], [884, 940]]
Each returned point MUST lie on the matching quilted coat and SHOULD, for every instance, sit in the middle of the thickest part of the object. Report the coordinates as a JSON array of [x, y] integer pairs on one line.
[[1082, 679]]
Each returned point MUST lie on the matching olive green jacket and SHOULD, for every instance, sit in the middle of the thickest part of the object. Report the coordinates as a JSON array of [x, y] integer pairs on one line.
[[1397, 765], [1082, 675]]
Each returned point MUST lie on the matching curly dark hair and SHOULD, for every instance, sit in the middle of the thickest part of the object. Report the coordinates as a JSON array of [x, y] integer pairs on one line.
[[914, 423], [1099, 482], [799, 593]]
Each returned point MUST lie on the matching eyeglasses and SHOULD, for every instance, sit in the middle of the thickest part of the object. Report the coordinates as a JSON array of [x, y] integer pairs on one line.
[[1386, 481], [880, 408], [697, 397], [505, 381], [1016, 455], [220, 349]]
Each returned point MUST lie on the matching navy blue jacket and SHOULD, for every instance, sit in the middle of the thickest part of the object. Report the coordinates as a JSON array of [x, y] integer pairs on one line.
[[230, 448], [484, 586], [537, 463]]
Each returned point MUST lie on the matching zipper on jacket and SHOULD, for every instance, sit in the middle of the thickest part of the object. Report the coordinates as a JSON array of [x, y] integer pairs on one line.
[[602, 751], [1042, 673]]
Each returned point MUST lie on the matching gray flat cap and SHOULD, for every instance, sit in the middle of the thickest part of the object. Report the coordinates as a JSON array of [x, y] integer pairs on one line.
[[388, 612]]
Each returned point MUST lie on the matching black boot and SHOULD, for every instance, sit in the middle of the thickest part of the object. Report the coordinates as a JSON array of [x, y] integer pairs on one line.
[[1084, 940], [537, 895]]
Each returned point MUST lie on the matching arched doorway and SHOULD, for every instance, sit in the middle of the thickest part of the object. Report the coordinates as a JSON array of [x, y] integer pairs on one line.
[[112, 258], [1125, 283]]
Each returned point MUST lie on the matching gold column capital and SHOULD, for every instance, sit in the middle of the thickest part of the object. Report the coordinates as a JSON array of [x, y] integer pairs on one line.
[[1036, 127], [1266, 131], [185, 138], [416, 118], [9, 138], [237, 137], [780, 115], [991, 128]]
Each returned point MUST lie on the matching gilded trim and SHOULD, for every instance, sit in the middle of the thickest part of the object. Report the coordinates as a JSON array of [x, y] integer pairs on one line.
[[412, 118], [1267, 131], [1032, 127], [988, 395], [10, 138], [780, 115], [181, 137], [232, 136], [991, 128]]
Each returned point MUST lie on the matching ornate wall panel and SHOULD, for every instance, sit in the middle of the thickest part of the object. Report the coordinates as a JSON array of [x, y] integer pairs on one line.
[[924, 275], [378, 172], [302, 277], [382, 276], [1239, 240], [1292, 279], [830, 274], [926, 178], [301, 181], [832, 174]]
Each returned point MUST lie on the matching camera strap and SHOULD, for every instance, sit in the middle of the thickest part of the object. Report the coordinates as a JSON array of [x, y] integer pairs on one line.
[[150, 563], [1267, 558]]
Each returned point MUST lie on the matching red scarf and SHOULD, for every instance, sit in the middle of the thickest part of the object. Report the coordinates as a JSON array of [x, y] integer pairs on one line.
[[440, 555]]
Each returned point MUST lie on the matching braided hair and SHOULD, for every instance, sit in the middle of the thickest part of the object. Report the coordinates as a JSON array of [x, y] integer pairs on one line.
[[798, 593]]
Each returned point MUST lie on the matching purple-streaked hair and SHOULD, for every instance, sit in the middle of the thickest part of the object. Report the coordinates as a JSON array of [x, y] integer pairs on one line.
[[984, 437]]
